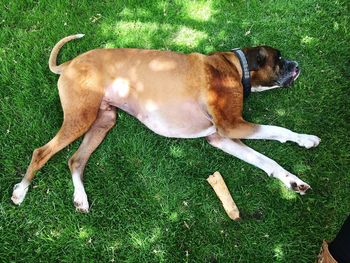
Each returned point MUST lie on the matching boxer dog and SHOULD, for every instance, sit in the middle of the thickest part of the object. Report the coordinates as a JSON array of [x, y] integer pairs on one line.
[[173, 94]]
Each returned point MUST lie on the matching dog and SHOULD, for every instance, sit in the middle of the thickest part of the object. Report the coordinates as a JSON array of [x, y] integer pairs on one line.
[[174, 95]]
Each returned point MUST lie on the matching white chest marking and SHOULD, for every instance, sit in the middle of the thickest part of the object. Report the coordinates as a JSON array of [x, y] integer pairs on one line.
[[262, 88]]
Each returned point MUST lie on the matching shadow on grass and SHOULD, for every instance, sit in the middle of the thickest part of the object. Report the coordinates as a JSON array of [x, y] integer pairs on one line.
[[191, 27], [185, 27]]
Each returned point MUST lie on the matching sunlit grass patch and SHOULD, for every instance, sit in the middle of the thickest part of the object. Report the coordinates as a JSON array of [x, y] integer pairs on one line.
[[149, 198], [286, 193], [174, 216], [176, 151], [139, 241], [278, 253], [281, 112], [201, 10], [144, 241], [188, 37], [301, 168], [85, 233], [136, 33], [308, 40]]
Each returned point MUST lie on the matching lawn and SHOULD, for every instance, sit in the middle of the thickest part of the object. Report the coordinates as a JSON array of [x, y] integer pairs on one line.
[[149, 198]]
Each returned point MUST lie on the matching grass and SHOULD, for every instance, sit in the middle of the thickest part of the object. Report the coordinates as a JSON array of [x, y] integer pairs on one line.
[[149, 198]]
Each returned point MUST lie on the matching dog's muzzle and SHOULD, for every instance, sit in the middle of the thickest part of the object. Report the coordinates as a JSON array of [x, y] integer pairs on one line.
[[289, 73]]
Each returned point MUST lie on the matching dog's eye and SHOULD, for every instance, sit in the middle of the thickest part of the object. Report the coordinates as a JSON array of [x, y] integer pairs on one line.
[[279, 58]]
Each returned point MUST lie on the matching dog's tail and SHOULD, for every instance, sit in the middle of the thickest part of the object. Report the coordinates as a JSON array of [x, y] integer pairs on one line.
[[53, 56]]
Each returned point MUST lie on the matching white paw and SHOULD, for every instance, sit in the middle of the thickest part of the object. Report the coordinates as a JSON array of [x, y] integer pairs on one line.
[[300, 187], [291, 181], [19, 192], [308, 141], [80, 201]]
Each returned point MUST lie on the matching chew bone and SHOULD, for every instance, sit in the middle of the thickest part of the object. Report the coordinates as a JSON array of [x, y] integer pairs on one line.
[[217, 182]]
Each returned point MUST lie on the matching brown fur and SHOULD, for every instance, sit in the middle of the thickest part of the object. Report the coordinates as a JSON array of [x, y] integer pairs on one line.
[[263, 75], [105, 121], [213, 81], [225, 97]]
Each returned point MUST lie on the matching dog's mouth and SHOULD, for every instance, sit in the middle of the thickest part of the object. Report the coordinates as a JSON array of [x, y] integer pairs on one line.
[[288, 78], [296, 73]]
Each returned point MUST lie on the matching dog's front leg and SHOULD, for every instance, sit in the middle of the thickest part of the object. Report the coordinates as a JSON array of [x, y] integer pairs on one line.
[[270, 132], [272, 168]]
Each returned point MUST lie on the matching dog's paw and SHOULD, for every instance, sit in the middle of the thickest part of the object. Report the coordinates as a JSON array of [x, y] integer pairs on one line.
[[19, 192], [81, 202], [308, 141], [291, 181], [300, 188]]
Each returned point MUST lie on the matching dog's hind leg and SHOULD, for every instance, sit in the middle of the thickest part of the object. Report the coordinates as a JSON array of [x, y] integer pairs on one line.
[[105, 121], [80, 105], [272, 168]]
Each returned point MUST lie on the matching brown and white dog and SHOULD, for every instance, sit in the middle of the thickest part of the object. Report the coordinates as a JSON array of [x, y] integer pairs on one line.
[[174, 95]]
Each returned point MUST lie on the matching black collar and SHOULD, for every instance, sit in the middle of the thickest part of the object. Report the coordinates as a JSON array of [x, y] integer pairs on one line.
[[245, 71]]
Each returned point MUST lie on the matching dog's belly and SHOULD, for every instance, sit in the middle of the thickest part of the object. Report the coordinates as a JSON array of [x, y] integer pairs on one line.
[[181, 121], [184, 121], [175, 118]]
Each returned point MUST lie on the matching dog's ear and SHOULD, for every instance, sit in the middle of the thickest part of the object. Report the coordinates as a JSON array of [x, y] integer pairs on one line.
[[261, 57], [256, 57]]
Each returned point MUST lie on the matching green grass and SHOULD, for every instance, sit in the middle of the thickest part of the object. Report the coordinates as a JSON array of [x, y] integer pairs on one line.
[[149, 198]]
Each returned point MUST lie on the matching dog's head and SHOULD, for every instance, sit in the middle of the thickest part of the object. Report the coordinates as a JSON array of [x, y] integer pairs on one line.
[[269, 69]]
